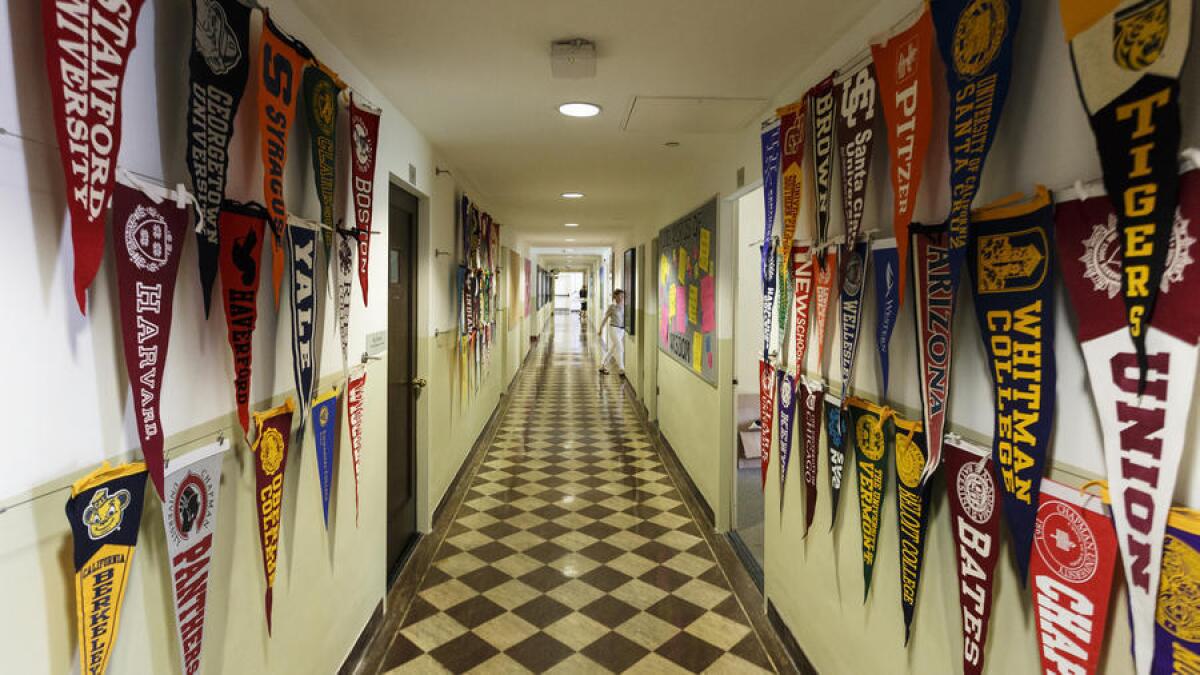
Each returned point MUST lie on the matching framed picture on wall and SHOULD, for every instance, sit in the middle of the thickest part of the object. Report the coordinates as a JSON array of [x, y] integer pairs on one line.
[[629, 285]]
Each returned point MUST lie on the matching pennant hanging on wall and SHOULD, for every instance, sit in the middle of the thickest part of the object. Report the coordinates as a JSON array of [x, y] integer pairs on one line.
[[1127, 56], [822, 294], [766, 414], [934, 289], [835, 434], [783, 306], [321, 89], [87, 49], [1071, 570], [344, 279], [274, 429], [812, 392], [802, 276], [912, 506], [902, 66], [190, 520], [791, 176], [787, 418], [302, 241], [324, 414], [356, 401], [873, 433], [243, 227], [770, 172], [887, 299], [364, 142], [854, 280], [148, 243], [1177, 621], [820, 109], [219, 67], [104, 509], [1144, 436], [855, 98], [1011, 260]]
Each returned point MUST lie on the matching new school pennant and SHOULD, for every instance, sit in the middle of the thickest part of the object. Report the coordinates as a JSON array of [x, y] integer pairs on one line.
[[812, 392], [1071, 570], [1011, 259], [855, 97], [854, 280], [302, 242], [822, 293], [802, 280], [835, 435], [243, 227], [1177, 620], [887, 298], [820, 108], [872, 431], [787, 417], [906, 86], [321, 89], [934, 286], [356, 401], [912, 506], [766, 414], [88, 43], [770, 172], [973, 494], [975, 39], [274, 430], [148, 243], [1127, 56], [190, 520], [344, 279], [219, 66], [364, 142], [791, 130], [324, 414]]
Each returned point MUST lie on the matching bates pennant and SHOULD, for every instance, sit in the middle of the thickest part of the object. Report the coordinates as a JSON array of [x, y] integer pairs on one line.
[[856, 97], [912, 506], [811, 393], [872, 430], [274, 431], [243, 227], [766, 414], [364, 142], [934, 286], [836, 418]]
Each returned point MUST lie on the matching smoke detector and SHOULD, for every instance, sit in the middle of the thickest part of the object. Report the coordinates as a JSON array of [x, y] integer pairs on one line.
[[573, 59]]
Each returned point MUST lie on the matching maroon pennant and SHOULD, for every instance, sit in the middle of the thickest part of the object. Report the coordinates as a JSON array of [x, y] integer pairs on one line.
[[364, 141], [243, 227], [812, 393]]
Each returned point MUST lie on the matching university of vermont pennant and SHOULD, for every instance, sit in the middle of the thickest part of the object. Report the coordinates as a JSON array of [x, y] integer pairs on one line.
[[1177, 620], [274, 430], [872, 431], [356, 393], [791, 172], [855, 96], [822, 293], [243, 227], [811, 393], [766, 413], [88, 43], [771, 155], [302, 241], [912, 505], [324, 414], [787, 417], [854, 280], [104, 510], [802, 276], [364, 142], [934, 287], [887, 298], [321, 90], [820, 114], [836, 418]]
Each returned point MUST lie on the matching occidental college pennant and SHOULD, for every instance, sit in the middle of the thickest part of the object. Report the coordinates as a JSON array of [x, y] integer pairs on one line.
[[104, 510], [934, 288], [243, 227], [190, 520], [219, 67], [975, 38], [324, 414], [873, 432], [1071, 570], [855, 97], [88, 43], [302, 241], [905, 84], [364, 141], [1012, 261], [887, 299], [147, 247], [854, 280], [820, 108], [791, 131], [356, 394], [770, 172], [912, 506], [766, 413], [975, 520], [274, 429], [1177, 629], [802, 274], [1144, 434], [812, 392], [1127, 56], [822, 293], [835, 434], [321, 89], [787, 417]]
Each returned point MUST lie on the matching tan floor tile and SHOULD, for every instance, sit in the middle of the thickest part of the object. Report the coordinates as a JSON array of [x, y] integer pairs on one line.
[[626, 540], [689, 564], [500, 664], [422, 665], [717, 630], [575, 594], [730, 664], [631, 563], [459, 564], [505, 630], [653, 664], [447, 594], [578, 664], [433, 632], [525, 520], [639, 593], [575, 631], [520, 541], [647, 630], [511, 594], [702, 593], [516, 564], [678, 540], [574, 540], [469, 540]]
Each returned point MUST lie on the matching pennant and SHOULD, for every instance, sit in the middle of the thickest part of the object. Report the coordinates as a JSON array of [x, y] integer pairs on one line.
[[912, 506], [105, 510], [1177, 620], [219, 67], [344, 279], [190, 520], [148, 242], [854, 280], [766, 413], [88, 43], [784, 273], [324, 414], [873, 433], [905, 84], [973, 493], [820, 108], [274, 429], [364, 142], [321, 90], [787, 417], [1071, 570], [770, 168], [791, 176], [243, 227], [812, 392], [1127, 56], [934, 289], [821, 295], [887, 298], [835, 435], [283, 61], [1144, 434], [1011, 262], [302, 242], [975, 38], [356, 393], [802, 274], [855, 96]]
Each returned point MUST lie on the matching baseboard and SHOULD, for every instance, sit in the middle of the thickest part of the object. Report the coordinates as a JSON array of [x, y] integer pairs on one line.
[[354, 658], [789, 640], [476, 448], [705, 508]]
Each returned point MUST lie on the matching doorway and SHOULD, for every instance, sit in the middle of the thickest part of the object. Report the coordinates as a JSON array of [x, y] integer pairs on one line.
[[402, 389]]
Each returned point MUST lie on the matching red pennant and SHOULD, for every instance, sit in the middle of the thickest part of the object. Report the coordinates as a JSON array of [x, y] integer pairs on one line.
[[356, 392], [766, 413], [802, 282], [822, 294], [270, 461], [364, 141], [243, 227]]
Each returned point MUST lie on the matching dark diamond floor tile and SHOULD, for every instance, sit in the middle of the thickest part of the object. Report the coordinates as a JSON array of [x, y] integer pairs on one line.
[[690, 652], [605, 578], [539, 652], [609, 611], [546, 552], [475, 611], [463, 653], [498, 530], [419, 611], [596, 512], [714, 576], [492, 551], [599, 530], [400, 652], [542, 611], [544, 579], [504, 511], [615, 652], [676, 611], [548, 530], [656, 551], [484, 578], [434, 577], [601, 552], [550, 511], [730, 609], [751, 649], [665, 578], [650, 530]]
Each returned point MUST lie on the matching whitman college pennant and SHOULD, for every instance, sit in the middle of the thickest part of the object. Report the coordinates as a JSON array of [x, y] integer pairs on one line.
[[887, 298], [1071, 570], [88, 43], [770, 169], [787, 417], [274, 428], [356, 393], [802, 275], [190, 520], [934, 286], [302, 240], [975, 38], [975, 520], [912, 505], [1127, 56], [822, 293], [321, 89], [1177, 629], [854, 280], [835, 435], [1144, 434], [364, 142], [148, 242], [219, 67], [902, 66], [1011, 260], [855, 97], [283, 62], [820, 110], [873, 432], [791, 173], [811, 392], [243, 227], [766, 413], [104, 509], [324, 414]]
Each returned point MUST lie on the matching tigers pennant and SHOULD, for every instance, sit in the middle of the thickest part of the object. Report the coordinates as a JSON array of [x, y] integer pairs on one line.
[[356, 393], [855, 95], [872, 431], [934, 286], [302, 241], [912, 506], [364, 142], [820, 111], [887, 299], [822, 294], [811, 393], [770, 172], [243, 227], [324, 414], [766, 414], [1177, 620], [802, 275], [835, 434], [274, 430], [791, 176], [321, 89], [787, 417], [854, 279]]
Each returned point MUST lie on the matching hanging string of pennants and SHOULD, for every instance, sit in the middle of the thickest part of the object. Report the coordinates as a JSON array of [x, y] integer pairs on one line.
[[478, 294]]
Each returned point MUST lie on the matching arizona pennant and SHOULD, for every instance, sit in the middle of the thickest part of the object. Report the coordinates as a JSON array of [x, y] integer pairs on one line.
[[902, 66], [88, 43], [787, 417], [364, 142], [873, 432], [356, 393], [821, 295], [934, 286], [912, 505], [802, 275], [302, 241], [770, 172], [219, 67], [835, 434], [324, 414], [854, 280], [243, 227], [104, 510], [148, 242], [820, 109], [811, 393], [321, 89], [766, 413], [855, 97], [791, 176], [1177, 621], [274, 429], [887, 299]]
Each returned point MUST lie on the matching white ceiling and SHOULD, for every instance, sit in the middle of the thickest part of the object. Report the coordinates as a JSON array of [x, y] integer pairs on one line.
[[474, 77]]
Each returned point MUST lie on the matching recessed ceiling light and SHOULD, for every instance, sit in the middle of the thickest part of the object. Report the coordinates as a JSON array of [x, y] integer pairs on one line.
[[672, 144], [572, 195], [570, 239], [579, 109], [570, 224]]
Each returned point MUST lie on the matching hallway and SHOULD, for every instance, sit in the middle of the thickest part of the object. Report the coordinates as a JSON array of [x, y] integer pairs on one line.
[[573, 551]]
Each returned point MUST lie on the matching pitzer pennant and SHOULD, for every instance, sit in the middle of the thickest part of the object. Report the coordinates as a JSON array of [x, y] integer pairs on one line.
[[836, 418], [825, 278], [1177, 621], [787, 417], [302, 241], [912, 505], [934, 286], [104, 510], [820, 114], [274, 430], [321, 89], [190, 520], [88, 43], [791, 176], [872, 431], [770, 175], [811, 393], [887, 299], [356, 393], [975, 521], [1127, 56], [802, 276], [1070, 572], [856, 105], [766, 413], [148, 244], [324, 414], [364, 142], [243, 227], [1144, 434]]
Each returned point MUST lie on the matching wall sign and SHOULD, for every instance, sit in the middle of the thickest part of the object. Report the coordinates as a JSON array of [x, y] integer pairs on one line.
[[687, 282]]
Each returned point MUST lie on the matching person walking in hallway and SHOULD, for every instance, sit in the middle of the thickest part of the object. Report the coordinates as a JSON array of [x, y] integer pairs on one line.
[[615, 318]]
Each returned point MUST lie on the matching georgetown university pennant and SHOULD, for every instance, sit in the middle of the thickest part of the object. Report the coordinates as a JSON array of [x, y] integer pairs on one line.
[[364, 141], [324, 414], [1144, 426], [791, 172], [835, 435], [855, 97], [1177, 621], [766, 414], [822, 293], [854, 280], [356, 393], [820, 114], [787, 417], [887, 299], [872, 431], [811, 393], [243, 227], [802, 276], [104, 510], [934, 287], [912, 506], [274, 430], [321, 89], [302, 241], [219, 67], [770, 174], [88, 43]]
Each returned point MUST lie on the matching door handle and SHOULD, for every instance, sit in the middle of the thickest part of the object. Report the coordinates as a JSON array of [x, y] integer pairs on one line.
[[419, 383]]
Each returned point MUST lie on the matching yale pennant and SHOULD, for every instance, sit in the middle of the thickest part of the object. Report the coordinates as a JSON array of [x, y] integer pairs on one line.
[[274, 431], [872, 430], [302, 241]]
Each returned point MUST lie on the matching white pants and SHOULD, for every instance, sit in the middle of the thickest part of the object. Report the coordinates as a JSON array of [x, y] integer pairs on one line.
[[616, 348]]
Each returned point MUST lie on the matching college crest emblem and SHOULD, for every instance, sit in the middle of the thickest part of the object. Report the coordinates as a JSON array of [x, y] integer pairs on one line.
[[910, 461], [148, 239], [1012, 261], [325, 105], [1140, 34], [1065, 541], [975, 492], [105, 512], [190, 505], [363, 144], [978, 36], [215, 38], [1102, 256], [868, 437], [270, 450], [1179, 592]]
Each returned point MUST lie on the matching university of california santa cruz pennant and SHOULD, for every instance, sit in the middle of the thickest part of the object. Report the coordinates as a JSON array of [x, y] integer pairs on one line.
[[855, 97]]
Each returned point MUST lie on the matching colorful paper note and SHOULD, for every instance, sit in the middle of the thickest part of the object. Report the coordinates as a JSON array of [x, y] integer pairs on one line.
[[697, 351], [708, 307], [705, 248], [680, 304], [693, 304]]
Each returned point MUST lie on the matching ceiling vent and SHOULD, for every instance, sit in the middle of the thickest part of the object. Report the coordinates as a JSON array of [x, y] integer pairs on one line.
[[573, 59], [691, 114]]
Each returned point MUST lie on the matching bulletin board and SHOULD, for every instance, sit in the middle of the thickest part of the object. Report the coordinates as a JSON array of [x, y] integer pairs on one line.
[[687, 289]]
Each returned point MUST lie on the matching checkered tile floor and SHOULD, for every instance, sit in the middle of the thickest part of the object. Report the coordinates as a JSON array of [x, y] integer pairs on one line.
[[573, 551]]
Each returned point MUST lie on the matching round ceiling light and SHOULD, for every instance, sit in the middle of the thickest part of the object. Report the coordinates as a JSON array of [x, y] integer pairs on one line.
[[572, 195], [579, 109], [570, 239], [570, 224]]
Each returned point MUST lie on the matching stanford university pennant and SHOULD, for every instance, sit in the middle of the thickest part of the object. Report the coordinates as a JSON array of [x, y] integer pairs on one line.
[[770, 174], [854, 279], [835, 434], [887, 299], [811, 393], [274, 431], [1177, 621], [766, 414], [934, 287], [786, 415], [324, 414], [321, 89], [104, 509], [791, 173], [356, 401], [243, 227], [855, 97], [364, 141], [872, 430], [302, 239], [912, 506], [820, 115]]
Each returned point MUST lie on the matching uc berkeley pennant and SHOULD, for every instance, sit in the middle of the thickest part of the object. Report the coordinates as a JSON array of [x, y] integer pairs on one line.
[[274, 428], [811, 393], [321, 89], [820, 111], [243, 227], [872, 431], [887, 298], [835, 434], [912, 506], [787, 417], [364, 142], [854, 280], [356, 393], [1177, 620], [324, 414], [855, 96], [766, 413], [302, 241], [934, 288]]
